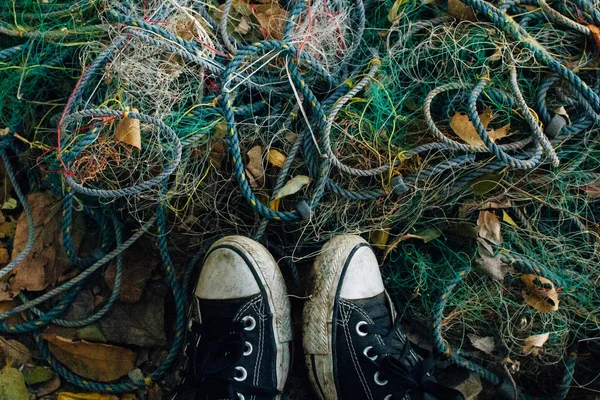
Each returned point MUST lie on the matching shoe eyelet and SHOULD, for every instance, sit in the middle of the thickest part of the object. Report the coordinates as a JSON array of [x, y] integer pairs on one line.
[[247, 348], [378, 380], [241, 396], [241, 374], [249, 323], [366, 352], [388, 397], [358, 330]]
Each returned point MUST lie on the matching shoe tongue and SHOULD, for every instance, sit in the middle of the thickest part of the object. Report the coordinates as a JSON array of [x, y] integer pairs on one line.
[[378, 309], [220, 312]]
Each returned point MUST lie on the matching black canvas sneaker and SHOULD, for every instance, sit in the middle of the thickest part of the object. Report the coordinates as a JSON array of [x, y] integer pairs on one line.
[[238, 344], [354, 348]]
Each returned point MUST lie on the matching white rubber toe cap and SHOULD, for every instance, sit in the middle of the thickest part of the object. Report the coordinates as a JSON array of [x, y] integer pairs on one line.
[[362, 278], [225, 275]]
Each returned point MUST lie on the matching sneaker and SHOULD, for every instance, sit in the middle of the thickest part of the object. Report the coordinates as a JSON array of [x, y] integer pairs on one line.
[[240, 331], [353, 343]]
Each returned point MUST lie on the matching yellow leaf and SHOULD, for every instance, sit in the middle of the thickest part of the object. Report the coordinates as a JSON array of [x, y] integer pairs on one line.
[[128, 132], [95, 361], [379, 238], [506, 218], [271, 18], [86, 396], [540, 293], [464, 128], [274, 205], [426, 235], [276, 158], [533, 344]]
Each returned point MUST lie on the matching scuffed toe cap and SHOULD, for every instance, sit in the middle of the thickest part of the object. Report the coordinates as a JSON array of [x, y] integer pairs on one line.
[[362, 278], [226, 275]]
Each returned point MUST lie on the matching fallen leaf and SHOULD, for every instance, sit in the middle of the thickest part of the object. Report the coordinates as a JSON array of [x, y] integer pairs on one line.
[[534, 344], [48, 387], [563, 113], [217, 154], [488, 227], [540, 293], [14, 353], [4, 256], [138, 264], [90, 333], [254, 169], [274, 205], [499, 133], [461, 11], [595, 31], [47, 261], [464, 128], [393, 13], [276, 158], [9, 204], [426, 235], [8, 228], [95, 361], [12, 385], [7, 305], [495, 203], [290, 136], [506, 218], [293, 186], [243, 27], [188, 31], [486, 183], [128, 131], [271, 18], [37, 374], [497, 54], [485, 344], [379, 238], [488, 262], [86, 396], [140, 324]]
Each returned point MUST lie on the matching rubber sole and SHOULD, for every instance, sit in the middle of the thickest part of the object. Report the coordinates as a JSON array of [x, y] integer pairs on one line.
[[318, 314]]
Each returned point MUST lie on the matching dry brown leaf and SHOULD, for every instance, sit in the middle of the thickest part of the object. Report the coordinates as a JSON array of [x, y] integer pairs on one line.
[[7, 305], [488, 227], [495, 203], [217, 154], [540, 293], [271, 18], [499, 133], [254, 169], [595, 31], [485, 344], [425, 235], [14, 354], [276, 158], [489, 263], [128, 132], [461, 11], [47, 261], [48, 387], [534, 344], [96, 361], [4, 256], [464, 128], [243, 27], [187, 31]]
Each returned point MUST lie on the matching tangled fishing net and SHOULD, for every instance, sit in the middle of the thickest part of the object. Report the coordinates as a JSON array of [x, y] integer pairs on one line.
[[461, 137]]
